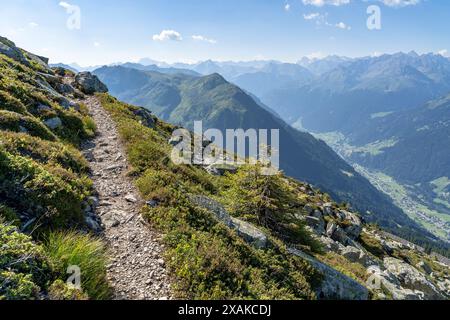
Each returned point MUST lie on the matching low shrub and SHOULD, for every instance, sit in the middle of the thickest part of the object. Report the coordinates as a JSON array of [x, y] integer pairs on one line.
[[24, 268], [12, 121], [53, 194], [45, 152]]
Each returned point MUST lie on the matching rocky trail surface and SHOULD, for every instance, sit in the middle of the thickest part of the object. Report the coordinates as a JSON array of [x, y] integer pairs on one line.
[[137, 270]]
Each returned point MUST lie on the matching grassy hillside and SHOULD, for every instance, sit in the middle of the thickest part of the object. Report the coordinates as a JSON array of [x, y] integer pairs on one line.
[[44, 186], [208, 259]]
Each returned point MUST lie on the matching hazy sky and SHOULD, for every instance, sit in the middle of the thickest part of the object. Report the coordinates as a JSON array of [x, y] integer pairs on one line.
[[192, 30]]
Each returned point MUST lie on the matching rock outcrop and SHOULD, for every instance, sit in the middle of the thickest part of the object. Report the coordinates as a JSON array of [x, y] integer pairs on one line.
[[89, 83], [247, 231], [9, 49], [411, 278], [335, 285]]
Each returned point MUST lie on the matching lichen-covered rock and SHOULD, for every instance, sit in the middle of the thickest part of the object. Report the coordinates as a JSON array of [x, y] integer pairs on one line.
[[317, 224], [213, 206], [147, 119], [357, 256], [411, 278], [9, 49], [335, 285], [354, 228], [89, 83], [53, 123], [336, 233], [250, 233]]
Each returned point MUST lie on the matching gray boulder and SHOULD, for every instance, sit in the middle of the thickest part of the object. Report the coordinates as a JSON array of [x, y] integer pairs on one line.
[[337, 233], [411, 278], [379, 280], [317, 224], [9, 49], [250, 233], [213, 206], [245, 230], [53, 123], [335, 285], [355, 227], [357, 256], [147, 119], [89, 83]]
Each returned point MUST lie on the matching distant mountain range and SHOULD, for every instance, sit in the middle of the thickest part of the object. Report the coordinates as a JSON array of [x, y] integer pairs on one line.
[[182, 98]]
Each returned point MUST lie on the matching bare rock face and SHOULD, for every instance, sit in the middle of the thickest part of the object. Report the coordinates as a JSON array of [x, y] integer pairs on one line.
[[89, 83]]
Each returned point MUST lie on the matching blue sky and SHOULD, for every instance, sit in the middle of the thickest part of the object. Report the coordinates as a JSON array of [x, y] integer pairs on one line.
[[193, 30]]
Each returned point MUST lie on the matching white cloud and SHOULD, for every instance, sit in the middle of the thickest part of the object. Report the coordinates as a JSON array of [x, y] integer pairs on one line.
[[33, 25], [311, 16], [287, 7], [97, 44], [65, 5], [168, 35], [342, 25], [202, 38], [400, 3], [321, 3], [322, 19]]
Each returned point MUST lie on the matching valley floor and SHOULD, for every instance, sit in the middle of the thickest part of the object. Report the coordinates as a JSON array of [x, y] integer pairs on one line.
[[137, 269]]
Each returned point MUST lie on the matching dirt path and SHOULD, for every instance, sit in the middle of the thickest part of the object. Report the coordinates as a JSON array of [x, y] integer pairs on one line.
[[137, 270]]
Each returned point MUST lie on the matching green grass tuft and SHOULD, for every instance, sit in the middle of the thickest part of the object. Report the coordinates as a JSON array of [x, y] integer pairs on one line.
[[84, 251]]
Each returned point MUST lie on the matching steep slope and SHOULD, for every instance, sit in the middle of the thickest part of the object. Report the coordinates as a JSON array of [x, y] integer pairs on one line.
[[421, 134], [224, 243], [44, 184], [271, 77], [409, 147], [183, 99]]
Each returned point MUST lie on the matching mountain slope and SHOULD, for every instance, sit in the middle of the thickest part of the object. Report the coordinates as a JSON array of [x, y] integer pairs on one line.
[[339, 99], [271, 77], [182, 99]]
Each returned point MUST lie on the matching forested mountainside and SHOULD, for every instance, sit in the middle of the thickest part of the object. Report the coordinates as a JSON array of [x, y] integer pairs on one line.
[[406, 150], [182, 99], [222, 239]]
